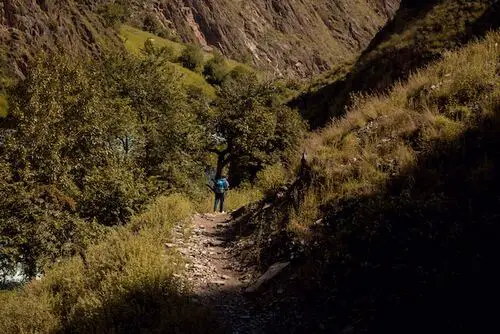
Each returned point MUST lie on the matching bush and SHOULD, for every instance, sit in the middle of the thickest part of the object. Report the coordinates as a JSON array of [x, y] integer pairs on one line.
[[151, 50], [192, 58], [163, 212], [29, 311], [216, 69], [114, 13], [112, 195]]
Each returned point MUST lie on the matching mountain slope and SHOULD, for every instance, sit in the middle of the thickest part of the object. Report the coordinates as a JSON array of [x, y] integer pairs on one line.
[[420, 32], [29, 27], [392, 225], [288, 37]]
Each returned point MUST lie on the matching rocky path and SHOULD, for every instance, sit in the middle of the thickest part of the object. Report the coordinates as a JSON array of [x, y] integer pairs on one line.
[[218, 279]]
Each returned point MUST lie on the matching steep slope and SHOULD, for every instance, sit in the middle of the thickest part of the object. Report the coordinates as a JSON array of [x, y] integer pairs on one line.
[[392, 226], [420, 32], [28, 27], [288, 37]]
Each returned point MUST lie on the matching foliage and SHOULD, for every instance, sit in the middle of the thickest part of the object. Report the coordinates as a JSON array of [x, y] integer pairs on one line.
[[252, 128], [151, 50], [112, 195], [4, 106], [271, 178], [114, 13], [154, 26], [216, 69], [135, 41], [192, 58], [125, 283], [93, 141]]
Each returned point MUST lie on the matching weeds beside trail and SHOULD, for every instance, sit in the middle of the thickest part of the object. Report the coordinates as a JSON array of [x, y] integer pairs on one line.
[[126, 283]]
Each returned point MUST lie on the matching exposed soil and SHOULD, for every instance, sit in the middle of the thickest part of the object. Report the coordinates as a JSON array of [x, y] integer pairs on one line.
[[217, 277]]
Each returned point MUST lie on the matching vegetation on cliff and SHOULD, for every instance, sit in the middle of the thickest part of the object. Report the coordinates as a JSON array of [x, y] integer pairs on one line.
[[419, 33]]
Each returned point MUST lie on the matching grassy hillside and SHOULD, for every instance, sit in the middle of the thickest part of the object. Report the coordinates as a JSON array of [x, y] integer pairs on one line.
[[134, 41], [419, 34], [403, 193]]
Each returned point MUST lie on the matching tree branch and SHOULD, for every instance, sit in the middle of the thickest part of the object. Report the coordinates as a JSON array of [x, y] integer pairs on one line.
[[214, 150]]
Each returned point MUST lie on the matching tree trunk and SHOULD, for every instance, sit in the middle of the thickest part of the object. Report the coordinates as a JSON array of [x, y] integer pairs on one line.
[[222, 161]]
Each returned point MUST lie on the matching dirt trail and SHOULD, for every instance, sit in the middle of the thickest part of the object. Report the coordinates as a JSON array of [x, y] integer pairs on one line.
[[217, 277]]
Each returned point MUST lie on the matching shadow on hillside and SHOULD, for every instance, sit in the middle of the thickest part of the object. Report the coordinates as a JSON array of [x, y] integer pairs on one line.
[[145, 310], [421, 257], [377, 71]]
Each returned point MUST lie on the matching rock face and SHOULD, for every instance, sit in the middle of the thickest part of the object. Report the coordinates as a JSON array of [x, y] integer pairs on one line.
[[288, 37], [291, 37], [28, 27]]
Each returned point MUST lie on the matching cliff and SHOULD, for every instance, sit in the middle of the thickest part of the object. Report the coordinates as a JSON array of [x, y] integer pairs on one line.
[[289, 37], [28, 27]]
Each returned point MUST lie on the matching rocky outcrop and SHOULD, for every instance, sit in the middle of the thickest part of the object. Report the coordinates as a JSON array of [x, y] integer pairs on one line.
[[297, 37], [288, 37]]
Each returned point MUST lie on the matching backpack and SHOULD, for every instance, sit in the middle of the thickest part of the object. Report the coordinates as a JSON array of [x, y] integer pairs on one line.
[[220, 186]]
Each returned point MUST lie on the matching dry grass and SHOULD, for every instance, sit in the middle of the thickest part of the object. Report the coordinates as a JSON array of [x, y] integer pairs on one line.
[[383, 135]]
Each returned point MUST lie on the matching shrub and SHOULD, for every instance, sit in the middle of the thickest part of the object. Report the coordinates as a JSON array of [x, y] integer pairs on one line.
[[112, 195], [192, 58], [114, 13], [151, 50], [4, 106], [163, 212], [271, 178], [29, 311], [216, 69]]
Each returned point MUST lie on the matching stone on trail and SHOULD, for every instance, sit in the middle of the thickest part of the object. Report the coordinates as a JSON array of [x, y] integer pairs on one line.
[[272, 272], [220, 283], [214, 243]]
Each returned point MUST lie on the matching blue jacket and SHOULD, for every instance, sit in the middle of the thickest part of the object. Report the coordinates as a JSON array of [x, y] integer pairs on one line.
[[221, 185]]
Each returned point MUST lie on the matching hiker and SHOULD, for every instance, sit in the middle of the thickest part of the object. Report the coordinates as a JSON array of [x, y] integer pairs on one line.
[[220, 187]]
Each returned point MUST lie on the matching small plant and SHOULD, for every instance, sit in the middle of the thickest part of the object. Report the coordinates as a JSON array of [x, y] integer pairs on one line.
[[216, 69], [114, 13]]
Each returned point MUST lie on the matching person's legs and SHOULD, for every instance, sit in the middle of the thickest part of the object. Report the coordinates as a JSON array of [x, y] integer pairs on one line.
[[216, 202], [222, 197]]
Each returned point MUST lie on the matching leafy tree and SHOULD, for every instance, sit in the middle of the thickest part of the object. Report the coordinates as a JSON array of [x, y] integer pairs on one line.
[[114, 13], [252, 129], [192, 58], [170, 131]]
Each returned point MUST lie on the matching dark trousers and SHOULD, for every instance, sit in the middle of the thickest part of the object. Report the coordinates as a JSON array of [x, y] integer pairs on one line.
[[219, 200]]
